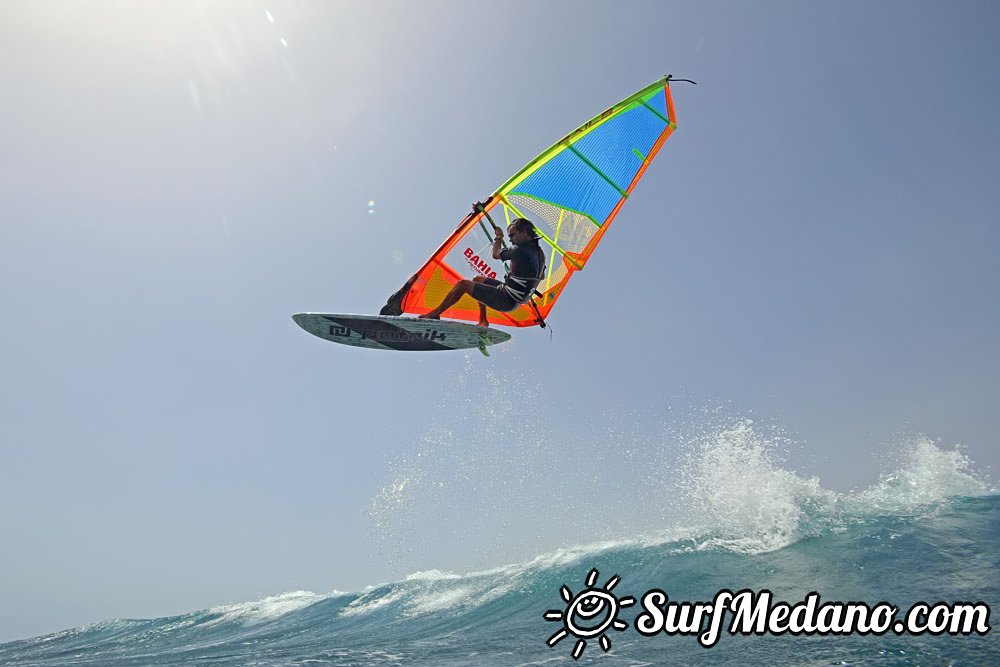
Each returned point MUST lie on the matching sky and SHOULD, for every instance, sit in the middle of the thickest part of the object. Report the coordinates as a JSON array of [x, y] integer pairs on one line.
[[814, 250]]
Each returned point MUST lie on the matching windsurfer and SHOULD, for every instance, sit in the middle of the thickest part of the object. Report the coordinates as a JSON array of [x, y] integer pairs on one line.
[[527, 264]]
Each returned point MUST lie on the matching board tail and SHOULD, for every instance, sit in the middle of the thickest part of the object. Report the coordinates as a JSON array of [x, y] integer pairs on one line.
[[394, 306]]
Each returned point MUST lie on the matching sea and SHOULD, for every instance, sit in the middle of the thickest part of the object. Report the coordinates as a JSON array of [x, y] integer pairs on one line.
[[834, 577]]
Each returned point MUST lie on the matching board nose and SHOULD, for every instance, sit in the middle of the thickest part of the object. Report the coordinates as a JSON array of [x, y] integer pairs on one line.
[[302, 319]]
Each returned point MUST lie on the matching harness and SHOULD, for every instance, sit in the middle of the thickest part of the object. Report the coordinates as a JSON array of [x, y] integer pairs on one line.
[[521, 288]]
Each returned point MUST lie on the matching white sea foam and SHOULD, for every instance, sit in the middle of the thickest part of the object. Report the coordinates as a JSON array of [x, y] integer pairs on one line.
[[250, 613], [739, 498], [432, 575], [500, 481], [372, 601], [436, 601], [923, 473]]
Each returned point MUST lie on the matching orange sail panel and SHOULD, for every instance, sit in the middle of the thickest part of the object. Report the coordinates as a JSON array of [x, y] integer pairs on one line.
[[571, 192]]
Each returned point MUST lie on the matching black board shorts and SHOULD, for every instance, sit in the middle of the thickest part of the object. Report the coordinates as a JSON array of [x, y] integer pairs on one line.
[[491, 293]]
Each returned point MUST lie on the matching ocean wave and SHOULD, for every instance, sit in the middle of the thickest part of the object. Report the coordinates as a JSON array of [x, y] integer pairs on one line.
[[743, 515], [945, 547]]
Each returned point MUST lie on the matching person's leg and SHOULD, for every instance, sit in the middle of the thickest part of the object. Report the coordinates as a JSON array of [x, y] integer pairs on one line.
[[490, 294], [461, 288], [483, 322], [483, 290]]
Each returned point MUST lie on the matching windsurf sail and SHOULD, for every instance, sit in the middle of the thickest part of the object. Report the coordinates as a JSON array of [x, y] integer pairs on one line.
[[571, 192]]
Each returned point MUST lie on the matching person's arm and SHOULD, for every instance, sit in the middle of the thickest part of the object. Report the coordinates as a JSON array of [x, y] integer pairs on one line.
[[497, 242]]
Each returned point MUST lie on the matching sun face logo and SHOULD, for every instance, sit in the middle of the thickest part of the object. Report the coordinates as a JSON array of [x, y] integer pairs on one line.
[[588, 614]]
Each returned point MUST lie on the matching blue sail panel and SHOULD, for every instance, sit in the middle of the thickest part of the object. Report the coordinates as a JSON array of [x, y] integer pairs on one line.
[[570, 183], [615, 147]]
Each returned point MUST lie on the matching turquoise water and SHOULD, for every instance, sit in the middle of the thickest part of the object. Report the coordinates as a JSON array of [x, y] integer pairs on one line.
[[927, 532]]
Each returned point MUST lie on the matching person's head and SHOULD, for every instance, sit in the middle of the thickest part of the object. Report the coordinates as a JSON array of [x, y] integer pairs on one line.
[[521, 230]]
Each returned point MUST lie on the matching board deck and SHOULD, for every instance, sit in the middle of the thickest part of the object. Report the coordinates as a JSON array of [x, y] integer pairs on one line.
[[388, 332]]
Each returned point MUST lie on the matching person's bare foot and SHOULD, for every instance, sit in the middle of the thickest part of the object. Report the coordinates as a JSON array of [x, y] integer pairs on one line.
[[484, 323], [428, 316]]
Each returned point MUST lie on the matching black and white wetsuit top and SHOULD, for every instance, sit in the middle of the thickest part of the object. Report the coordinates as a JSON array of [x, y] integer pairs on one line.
[[527, 266]]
